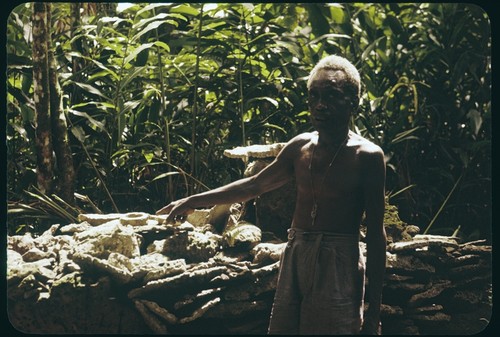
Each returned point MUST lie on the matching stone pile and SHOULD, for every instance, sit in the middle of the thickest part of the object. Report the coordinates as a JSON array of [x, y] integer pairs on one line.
[[133, 273], [435, 284], [169, 276]]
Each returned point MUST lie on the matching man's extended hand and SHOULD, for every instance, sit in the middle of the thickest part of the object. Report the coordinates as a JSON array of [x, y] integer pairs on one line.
[[177, 210]]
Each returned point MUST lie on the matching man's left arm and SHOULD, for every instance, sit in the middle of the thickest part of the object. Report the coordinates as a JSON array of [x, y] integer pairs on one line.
[[376, 240]]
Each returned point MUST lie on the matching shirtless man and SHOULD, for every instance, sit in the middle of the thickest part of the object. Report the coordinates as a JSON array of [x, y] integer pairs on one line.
[[339, 176]]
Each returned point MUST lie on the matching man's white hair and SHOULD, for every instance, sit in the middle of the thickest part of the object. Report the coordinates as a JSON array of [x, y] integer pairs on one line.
[[335, 62]]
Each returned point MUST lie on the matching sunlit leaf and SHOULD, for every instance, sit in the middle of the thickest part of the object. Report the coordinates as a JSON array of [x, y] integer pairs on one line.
[[164, 175], [185, 9], [91, 120], [149, 156], [91, 89], [476, 120], [78, 132]]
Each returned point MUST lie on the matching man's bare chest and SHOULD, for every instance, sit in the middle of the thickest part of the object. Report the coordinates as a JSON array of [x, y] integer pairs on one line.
[[321, 175]]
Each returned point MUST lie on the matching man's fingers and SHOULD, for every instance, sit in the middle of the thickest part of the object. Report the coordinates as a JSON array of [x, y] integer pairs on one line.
[[164, 210], [161, 211], [176, 218], [176, 212], [180, 218]]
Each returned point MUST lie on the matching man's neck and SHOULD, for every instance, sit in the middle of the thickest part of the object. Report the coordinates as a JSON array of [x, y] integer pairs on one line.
[[333, 139]]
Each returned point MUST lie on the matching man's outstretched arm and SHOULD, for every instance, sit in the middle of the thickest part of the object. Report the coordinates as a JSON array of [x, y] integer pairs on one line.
[[271, 177]]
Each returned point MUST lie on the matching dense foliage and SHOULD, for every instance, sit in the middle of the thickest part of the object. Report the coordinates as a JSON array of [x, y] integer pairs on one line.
[[154, 93]]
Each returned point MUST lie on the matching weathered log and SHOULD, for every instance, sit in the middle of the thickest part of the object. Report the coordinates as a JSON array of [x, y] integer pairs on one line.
[[160, 311], [187, 278], [200, 311], [428, 295], [423, 241], [408, 265], [155, 324]]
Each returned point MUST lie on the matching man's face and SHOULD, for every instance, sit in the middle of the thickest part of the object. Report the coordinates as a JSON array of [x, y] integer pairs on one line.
[[330, 106]]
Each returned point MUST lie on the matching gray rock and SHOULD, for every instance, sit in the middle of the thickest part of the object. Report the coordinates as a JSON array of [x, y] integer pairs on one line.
[[98, 219], [88, 262], [255, 151], [136, 219], [264, 252], [101, 240], [194, 246], [242, 233], [42, 270], [408, 265], [166, 269], [35, 254], [75, 227], [20, 243]]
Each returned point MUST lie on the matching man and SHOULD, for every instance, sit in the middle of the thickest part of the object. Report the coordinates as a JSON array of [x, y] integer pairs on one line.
[[340, 177]]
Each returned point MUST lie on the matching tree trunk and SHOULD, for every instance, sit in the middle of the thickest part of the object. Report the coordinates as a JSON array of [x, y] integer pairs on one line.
[[62, 149], [76, 44], [43, 140]]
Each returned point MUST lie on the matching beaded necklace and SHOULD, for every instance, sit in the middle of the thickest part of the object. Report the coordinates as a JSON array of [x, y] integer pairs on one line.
[[314, 209]]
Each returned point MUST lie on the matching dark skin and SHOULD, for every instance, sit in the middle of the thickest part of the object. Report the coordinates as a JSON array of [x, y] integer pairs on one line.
[[353, 185]]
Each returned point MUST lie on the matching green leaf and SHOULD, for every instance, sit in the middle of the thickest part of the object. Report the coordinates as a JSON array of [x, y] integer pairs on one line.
[[265, 98], [149, 156], [132, 74], [20, 130], [134, 54], [78, 132], [152, 26], [149, 7], [185, 9], [329, 36], [99, 105], [405, 135], [393, 22], [274, 126], [476, 120], [370, 47], [92, 121], [164, 175], [158, 17], [91, 89], [337, 13]]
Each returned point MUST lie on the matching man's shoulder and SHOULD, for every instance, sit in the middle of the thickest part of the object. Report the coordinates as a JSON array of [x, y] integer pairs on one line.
[[295, 145], [305, 136], [366, 147], [301, 139]]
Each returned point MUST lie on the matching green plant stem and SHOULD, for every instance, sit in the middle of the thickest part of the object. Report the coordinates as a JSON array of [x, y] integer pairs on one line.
[[99, 177], [86, 199], [402, 190], [185, 174], [444, 203], [170, 188], [240, 88], [195, 98], [46, 200]]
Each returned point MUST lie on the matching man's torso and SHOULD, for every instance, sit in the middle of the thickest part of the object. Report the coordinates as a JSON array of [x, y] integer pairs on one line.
[[337, 190]]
